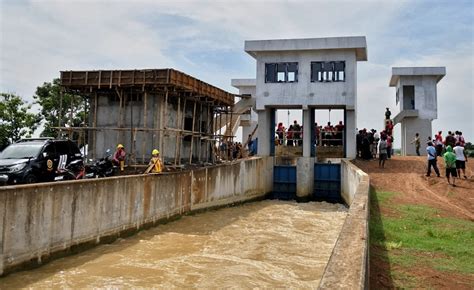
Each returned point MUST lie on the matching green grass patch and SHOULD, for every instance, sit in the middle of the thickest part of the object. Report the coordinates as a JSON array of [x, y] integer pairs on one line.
[[419, 236]]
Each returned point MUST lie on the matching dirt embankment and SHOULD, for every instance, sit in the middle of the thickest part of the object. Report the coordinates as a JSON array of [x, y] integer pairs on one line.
[[406, 176]]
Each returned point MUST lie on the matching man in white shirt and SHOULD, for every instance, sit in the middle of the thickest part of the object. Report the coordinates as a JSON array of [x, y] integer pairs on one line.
[[382, 148], [431, 154], [461, 159]]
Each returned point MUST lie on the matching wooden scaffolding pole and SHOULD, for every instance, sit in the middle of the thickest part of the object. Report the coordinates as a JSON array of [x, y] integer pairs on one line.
[[70, 117], [119, 119], [163, 124], [229, 152], [180, 132], [145, 124], [132, 132], [200, 133], [192, 136], [123, 129], [231, 131], [86, 124], [220, 135], [177, 136], [60, 115], [210, 126], [94, 154]]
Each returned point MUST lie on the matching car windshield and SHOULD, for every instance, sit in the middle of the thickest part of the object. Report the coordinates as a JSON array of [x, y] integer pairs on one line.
[[21, 151]]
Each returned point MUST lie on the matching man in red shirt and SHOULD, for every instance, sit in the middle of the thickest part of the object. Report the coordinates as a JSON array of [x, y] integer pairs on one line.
[[119, 157], [439, 143], [339, 133]]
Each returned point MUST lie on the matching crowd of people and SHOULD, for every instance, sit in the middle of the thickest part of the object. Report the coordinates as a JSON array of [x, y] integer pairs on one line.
[[451, 148], [328, 135], [229, 150], [369, 143], [293, 136]]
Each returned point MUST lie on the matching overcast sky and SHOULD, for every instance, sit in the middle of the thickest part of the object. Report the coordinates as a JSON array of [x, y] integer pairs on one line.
[[206, 38]]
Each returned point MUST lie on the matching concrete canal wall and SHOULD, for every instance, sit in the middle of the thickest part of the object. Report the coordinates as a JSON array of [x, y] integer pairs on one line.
[[43, 221], [348, 265]]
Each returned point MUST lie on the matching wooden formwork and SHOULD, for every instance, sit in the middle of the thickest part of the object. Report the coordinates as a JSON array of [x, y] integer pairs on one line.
[[167, 84], [144, 79]]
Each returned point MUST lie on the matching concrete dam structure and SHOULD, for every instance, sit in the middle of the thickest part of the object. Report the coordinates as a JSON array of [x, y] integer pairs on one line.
[[208, 221], [46, 221]]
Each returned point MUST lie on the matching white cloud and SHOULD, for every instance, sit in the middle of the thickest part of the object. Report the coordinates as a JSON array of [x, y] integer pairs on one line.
[[40, 38]]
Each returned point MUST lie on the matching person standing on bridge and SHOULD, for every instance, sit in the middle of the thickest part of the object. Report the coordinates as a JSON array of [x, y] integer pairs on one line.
[[431, 152], [119, 157], [388, 114], [297, 133], [450, 162]]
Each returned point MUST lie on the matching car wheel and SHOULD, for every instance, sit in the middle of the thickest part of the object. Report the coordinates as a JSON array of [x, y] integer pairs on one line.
[[30, 178]]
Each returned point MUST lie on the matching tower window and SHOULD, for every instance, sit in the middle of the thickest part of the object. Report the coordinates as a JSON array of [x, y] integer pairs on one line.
[[328, 71], [283, 72]]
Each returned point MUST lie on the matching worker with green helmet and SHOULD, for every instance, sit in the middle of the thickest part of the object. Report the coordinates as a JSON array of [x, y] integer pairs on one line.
[[119, 157], [155, 164]]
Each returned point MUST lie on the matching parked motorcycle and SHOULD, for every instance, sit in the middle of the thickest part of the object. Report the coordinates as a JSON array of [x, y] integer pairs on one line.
[[73, 171], [102, 167]]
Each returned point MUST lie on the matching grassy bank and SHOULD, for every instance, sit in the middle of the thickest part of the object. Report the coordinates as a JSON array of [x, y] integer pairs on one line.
[[411, 242]]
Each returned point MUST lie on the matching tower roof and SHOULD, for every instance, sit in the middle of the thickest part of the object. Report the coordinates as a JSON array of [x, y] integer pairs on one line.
[[358, 43], [397, 72]]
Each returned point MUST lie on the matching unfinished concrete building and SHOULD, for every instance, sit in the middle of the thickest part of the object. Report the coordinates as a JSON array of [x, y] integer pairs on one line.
[[418, 99], [147, 109]]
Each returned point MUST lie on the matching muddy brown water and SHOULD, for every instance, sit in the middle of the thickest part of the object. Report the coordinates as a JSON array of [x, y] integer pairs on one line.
[[261, 244]]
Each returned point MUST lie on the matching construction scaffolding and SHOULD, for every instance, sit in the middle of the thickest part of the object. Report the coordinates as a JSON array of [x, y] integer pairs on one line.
[[145, 109]]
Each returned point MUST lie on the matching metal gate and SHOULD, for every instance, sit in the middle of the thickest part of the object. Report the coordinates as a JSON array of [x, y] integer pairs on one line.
[[327, 182], [284, 182]]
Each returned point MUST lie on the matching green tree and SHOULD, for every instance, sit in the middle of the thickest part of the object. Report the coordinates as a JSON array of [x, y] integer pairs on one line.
[[15, 119], [48, 96], [4, 140]]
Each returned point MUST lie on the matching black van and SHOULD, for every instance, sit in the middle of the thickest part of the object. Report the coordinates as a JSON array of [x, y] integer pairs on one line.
[[36, 159]]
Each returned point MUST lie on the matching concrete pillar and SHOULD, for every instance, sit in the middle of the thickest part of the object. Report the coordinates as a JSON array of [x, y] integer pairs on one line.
[[304, 178], [350, 134], [264, 132], [409, 127], [306, 133]]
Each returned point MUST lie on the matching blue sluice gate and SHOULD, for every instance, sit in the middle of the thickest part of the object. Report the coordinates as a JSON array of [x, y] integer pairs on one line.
[[327, 182], [284, 182]]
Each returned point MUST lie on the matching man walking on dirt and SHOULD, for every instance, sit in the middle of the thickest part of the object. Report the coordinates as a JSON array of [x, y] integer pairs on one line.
[[431, 153], [382, 146], [450, 162], [461, 159]]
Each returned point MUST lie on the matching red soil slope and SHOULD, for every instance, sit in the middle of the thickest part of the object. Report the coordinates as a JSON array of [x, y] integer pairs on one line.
[[406, 175]]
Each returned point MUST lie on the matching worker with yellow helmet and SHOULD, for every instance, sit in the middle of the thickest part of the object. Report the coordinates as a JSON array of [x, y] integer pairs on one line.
[[155, 164], [119, 157]]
